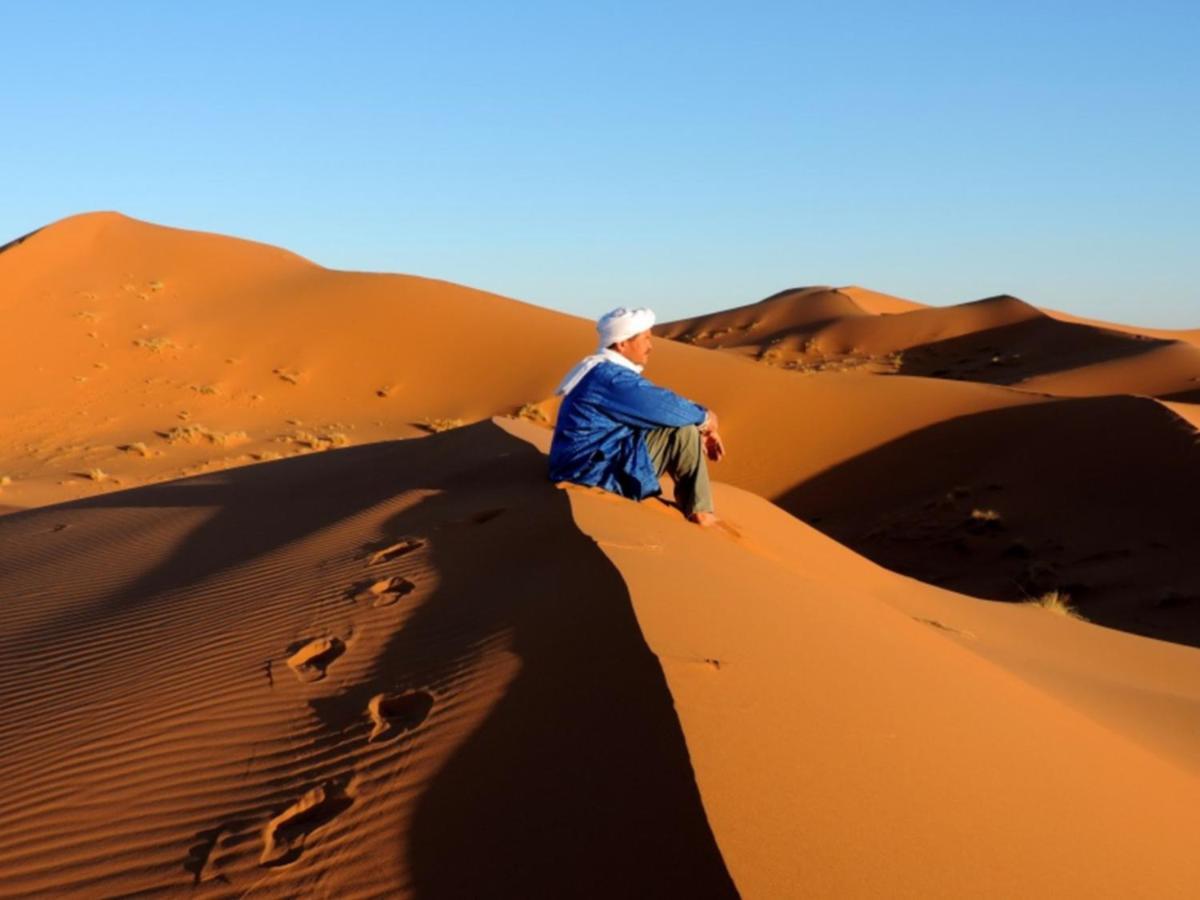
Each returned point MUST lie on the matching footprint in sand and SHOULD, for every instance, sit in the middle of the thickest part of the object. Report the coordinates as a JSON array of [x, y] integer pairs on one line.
[[942, 626], [385, 591], [394, 714], [285, 836], [394, 551], [199, 853], [310, 661], [201, 862]]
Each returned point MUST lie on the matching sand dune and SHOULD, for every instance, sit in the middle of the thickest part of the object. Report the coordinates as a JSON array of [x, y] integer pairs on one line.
[[1008, 504], [240, 361], [368, 665], [654, 708], [1169, 371], [998, 340], [143, 352]]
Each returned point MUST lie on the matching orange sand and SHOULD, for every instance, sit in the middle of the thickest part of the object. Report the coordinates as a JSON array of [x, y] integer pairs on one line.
[[375, 666]]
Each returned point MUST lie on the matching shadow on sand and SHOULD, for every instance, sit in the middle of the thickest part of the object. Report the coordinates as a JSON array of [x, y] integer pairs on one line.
[[1095, 496], [578, 782]]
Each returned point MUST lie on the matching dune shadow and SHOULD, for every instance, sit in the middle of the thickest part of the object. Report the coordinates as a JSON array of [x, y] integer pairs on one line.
[[1011, 353], [573, 777], [578, 783], [1093, 496]]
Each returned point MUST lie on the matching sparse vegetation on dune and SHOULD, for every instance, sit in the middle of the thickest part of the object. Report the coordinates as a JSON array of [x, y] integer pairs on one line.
[[433, 426], [533, 413], [155, 344], [317, 441], [1058, 603], [196, 434]]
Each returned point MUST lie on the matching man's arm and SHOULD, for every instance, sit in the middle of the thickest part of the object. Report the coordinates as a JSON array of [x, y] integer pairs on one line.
[[633, 400]]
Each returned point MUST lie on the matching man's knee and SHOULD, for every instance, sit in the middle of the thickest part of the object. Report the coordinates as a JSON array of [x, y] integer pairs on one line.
[[686, 441]]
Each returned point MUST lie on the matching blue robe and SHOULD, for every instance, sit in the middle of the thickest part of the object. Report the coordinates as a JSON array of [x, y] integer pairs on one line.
[[599, 438]]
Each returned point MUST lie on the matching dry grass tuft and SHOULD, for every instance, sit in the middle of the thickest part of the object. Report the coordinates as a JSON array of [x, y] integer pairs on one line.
[[155, 285], [210, 389], [197, 434], [434, 426], [985, 515], [138, 448], [533, 413], [155, 344], [325, 440], [1058, 603]]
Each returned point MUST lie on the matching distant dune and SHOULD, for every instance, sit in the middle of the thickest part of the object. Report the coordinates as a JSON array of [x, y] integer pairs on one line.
[[291, 608]]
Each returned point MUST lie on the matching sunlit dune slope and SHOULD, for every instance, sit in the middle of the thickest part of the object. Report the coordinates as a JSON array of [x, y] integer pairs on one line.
[[998, 340], [133, 352], [146, 353], [417, 669]]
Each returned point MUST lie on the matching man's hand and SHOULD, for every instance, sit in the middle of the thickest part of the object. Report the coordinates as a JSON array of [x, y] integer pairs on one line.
[[714, 447], [709, 424]]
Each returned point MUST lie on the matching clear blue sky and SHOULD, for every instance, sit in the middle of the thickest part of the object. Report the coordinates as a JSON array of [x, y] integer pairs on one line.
[[691, 156]]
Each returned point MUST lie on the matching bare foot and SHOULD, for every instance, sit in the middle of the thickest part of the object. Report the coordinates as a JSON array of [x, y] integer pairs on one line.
[[704, 519]]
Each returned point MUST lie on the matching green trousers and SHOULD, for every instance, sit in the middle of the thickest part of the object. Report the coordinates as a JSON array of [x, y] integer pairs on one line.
[[680, 453]]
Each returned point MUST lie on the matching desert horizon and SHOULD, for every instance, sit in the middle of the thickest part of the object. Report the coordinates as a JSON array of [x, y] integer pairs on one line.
[[293, 608]]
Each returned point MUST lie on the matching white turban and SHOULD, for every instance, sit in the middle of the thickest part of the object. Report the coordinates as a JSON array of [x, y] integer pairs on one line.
[[622, 324]]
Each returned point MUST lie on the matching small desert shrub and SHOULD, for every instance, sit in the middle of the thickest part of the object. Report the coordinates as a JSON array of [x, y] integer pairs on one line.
[[322, 441], [291, 377], [1057, 602], [435, 426], [155, 285], [155, 344], [195, 434], [96, 474], [209, 389], [531, 411], [138, 448]]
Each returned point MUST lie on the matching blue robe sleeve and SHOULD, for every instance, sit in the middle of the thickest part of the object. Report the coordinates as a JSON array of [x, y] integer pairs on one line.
[[632, 400]]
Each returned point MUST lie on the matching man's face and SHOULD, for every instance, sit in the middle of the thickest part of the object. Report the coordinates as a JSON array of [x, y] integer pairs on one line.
[[637, 348]]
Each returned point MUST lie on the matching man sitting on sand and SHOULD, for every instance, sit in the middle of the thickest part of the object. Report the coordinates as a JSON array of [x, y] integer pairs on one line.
[[620, 432]]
